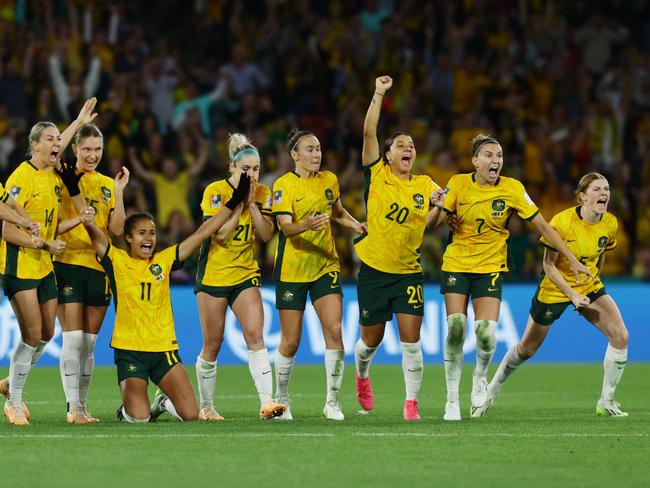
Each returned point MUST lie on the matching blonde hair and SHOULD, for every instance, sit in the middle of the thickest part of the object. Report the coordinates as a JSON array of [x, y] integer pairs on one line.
[[239, 146], [478, 142], [35, 134], [584, 183]]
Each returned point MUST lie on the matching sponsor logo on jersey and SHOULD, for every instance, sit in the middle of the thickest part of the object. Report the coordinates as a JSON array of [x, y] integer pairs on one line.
[[329, 194], [602, 241], [277, 197], [215, 201], [106, 194], [57, 192], [156, 270]]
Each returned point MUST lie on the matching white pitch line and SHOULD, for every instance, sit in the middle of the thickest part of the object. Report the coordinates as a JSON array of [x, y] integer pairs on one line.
[[162, 435]]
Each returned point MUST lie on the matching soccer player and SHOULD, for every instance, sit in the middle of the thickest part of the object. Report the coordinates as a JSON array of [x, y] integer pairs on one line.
[[305, 201], [475, 260], [144, 339], [83, 290], [400, 206], [25, 263], [228, 275], [589, 231]]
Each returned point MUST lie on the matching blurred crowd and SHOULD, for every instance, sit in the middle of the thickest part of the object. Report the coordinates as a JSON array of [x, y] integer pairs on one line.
[[565, 87]]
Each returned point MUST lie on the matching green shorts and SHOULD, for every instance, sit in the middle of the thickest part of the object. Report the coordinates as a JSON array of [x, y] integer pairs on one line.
[[45, 287], [79, 284], [476, 285], [547, 313], [382, 294], [293, 296], [229, 292], [144, 365]]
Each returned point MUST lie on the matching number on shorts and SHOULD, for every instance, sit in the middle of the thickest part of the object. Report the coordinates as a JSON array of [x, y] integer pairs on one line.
[[495, 277], [416, 294], [335, 279]]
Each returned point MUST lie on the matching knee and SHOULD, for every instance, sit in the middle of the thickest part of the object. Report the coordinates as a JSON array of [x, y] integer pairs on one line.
[[456, 328], [212, 346], [254, 339], [33, 338], [485, 331], [620, 338], [332, 332], [289, 346]]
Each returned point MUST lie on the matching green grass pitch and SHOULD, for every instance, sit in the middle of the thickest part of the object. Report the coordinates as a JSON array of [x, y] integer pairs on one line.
[[543, 431]]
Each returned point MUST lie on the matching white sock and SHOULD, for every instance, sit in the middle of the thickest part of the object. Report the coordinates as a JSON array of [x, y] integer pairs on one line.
[[363, 357], [486, 342], [334, 366], [456, 325], [206, 378], [412, 366], [38, 351], [510, 362], [260, 368], [614, 365], [130, 420], [87, 365], [19, 366], [283, 368], [169, 407], [69, 366]]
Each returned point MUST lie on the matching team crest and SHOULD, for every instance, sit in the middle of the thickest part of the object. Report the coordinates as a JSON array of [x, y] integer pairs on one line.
[[156, 270], [548, 313], [602, 241], [498, 205], [15, 191], [287, 296], [215, 201], [57, 191], [277, 197], [451, 280], [67, 291], [132, 368], [106, 194], [419, 201], [329, 194], [365, 313]]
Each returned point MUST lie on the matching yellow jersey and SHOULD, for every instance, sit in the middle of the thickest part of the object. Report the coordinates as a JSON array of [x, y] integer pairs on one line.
[[231, 261], [480, 243], [587, 242], [143, 307], [98, 192], [171, 196], [4, 196], [39, 192], [307, 256], [396, 214]]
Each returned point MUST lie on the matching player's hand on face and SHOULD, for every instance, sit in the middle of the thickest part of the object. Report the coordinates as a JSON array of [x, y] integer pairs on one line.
[[251, 192], [383, 84], [580, 301]]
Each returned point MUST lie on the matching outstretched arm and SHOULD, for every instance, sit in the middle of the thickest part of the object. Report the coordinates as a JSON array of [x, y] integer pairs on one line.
[[117, 216], [11, 211], [370, 152], [100, 242], [86, 116], [550, 259], [342, 217], [551, 235], [212, 225]]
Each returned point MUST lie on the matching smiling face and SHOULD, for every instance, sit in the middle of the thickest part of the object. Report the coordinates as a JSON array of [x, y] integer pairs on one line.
[[142, 239], [401, 154], [596, 196], [45, 150], [488, 163], [248, 164], [307, 155], [89, 153]]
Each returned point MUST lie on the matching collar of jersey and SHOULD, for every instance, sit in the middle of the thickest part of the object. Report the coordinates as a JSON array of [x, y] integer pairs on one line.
[[474, 179]]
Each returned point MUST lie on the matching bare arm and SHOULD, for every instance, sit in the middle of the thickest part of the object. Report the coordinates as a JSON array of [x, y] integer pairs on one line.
[[12, 212], [139, 170], [67, 225], [85, 116], [264, 227], [225, 230], [550, 268], [117, 216], [436, 215], [13, 235], [205, 230], [290, 228], [551, 235], [342, 217], [370, 152], [100, 242]]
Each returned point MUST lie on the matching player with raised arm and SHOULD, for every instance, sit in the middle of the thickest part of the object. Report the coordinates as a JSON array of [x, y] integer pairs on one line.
[[228, 275], [305, 202], [589, 231], [476, 258], [399, 206]]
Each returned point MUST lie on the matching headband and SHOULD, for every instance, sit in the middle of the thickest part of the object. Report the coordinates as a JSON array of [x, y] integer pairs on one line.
[[300, 139], [488, 140], [247, 151]]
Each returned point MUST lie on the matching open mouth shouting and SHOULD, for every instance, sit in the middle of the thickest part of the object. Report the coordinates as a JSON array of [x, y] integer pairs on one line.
[[601, 204], [146, 248], [54, 155], [493, 171]]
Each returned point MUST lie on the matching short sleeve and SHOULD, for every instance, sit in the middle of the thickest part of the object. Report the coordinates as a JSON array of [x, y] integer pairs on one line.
[[451, 195], [611, 238], [282, 198], [206, 203], [111, 203], [522, 202], [109, 255], [336, 189], [558, 224], [21, 191], [4, 196], [264, 200]]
